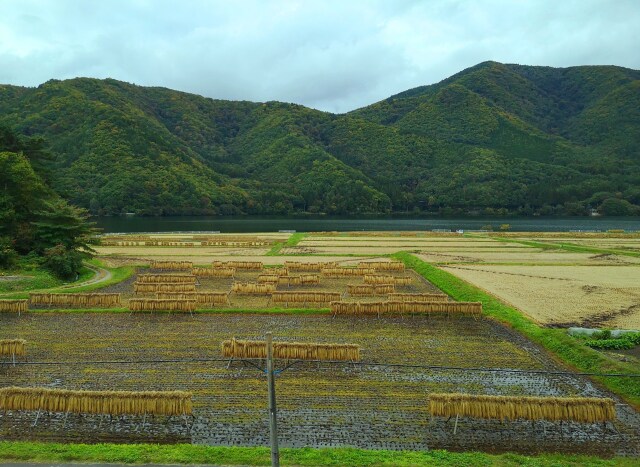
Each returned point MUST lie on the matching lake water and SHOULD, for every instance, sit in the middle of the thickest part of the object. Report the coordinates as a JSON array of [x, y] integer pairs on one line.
[[274, 224]]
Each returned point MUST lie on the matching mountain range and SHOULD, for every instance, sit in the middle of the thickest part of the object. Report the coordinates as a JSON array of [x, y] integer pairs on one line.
[[492, 139]]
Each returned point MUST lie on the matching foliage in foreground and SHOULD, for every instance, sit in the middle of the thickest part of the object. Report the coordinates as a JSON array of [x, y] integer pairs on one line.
[[556, 341], [34, 220], [603, 340], [195, 454]]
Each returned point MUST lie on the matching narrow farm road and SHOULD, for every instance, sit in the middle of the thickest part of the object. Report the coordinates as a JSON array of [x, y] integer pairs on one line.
[[100, 275]]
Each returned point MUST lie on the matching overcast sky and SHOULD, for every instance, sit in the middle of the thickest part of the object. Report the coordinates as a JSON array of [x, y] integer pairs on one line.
[[330, 55]]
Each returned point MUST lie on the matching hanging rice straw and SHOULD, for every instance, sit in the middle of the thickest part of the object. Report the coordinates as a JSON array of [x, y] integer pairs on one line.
[[12, 347], [578, 409], [155, 304], [382, 265], [13, 306], [166, 278], [418, 297], [172, 265], [96, 402], [76, 300], [235, 348]]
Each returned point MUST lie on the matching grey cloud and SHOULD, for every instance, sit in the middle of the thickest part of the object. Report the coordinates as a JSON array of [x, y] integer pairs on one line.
[[331, 55]]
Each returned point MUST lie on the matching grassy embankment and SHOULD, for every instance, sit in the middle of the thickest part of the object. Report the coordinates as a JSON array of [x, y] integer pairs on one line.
[[42, 281], [564, 347], [28, 276], [293, 240], [194, 454]]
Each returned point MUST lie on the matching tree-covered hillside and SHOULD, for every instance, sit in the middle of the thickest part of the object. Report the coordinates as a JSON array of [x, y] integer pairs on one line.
[[492, 138]]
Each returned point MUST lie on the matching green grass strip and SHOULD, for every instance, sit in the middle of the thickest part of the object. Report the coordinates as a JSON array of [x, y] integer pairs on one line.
[[197, 454], [568, 350], [293, 240]]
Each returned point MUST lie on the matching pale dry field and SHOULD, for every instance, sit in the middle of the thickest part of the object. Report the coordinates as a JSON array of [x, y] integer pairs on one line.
[[440, 240], [406, 244], [602, 296], [530, 256], [383, 250]]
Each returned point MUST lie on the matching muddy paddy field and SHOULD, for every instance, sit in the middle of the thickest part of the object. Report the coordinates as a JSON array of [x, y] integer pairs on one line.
[[369, 405]]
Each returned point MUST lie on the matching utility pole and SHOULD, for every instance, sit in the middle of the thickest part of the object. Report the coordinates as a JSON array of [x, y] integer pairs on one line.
[[273, 421]]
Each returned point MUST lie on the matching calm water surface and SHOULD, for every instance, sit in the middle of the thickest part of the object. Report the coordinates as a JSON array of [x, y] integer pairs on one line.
[[274, 224]]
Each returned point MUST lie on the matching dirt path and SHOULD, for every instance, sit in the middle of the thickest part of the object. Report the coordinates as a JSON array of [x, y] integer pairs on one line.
[[100, 275]]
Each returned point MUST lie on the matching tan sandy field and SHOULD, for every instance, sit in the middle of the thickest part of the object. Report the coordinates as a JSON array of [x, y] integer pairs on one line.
[[383, 250], [602, 296], [529, 256], [438, 240], [416, 243]]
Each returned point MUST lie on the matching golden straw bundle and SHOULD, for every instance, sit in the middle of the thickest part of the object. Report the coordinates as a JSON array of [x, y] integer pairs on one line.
[[578, 409], [303, 279], [384, 279], [244, 265], [309, 267], [155, 304], [13, 306], [382, 265], [235, 348], [418, 297], [151, 288], [371, 289], [278, 271], [268, 279], [214, 272], [302, 297], [365, 308], [235, 243], [77, 300], [12, 347], [342, 272], [96, 402], [201, 298], [166, 278], [172, 265], [252, 288]]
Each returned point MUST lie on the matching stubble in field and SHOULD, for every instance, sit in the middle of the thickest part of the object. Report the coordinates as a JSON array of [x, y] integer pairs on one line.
[[604, 296]]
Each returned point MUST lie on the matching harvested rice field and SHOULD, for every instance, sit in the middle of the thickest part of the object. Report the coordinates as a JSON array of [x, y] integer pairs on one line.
[[368, 406], [532, 256], [381, 402], [364, 249], [256, 302], [590, 296]]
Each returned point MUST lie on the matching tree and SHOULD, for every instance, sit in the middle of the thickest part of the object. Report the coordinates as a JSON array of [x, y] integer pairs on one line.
[[63, 224], [617, 207]]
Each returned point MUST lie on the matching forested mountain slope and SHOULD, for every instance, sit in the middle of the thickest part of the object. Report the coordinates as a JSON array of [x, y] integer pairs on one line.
[[491, 138]]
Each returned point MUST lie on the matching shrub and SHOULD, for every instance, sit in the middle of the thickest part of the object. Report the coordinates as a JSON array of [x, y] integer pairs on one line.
[[62, 262], [8, 256], [611, 344]]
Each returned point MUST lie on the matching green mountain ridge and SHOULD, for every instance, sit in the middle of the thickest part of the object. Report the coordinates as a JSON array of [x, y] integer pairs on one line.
[[493, 138]]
